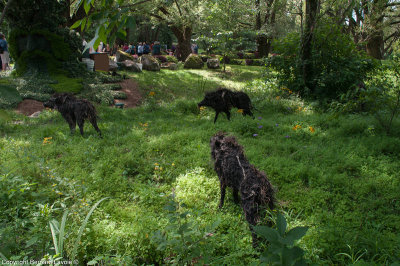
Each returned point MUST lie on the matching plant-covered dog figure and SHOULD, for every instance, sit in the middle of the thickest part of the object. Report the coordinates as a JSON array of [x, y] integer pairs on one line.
[[222, 100], [74, 110], [235, 171]]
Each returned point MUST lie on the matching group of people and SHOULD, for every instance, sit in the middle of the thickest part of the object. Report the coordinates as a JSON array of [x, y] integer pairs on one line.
[[142, 48], [139, 49], [4, 54]]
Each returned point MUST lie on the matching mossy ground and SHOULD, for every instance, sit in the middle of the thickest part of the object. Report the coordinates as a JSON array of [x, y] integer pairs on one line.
[[336, 174]]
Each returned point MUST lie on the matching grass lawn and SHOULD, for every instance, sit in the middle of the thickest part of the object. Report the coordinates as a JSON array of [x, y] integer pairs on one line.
[[339, 175]]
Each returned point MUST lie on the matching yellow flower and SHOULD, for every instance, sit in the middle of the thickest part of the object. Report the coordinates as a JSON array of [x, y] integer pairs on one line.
[[312, 130], [278, 97], [296, 127], [202, 108], [240, 111], [173, 164], [47, 140], [152, 93], [155, 163]]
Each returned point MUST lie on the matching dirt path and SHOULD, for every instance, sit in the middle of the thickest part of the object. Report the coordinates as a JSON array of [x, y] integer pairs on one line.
[[128, 86], [28, 107], [131, 89]]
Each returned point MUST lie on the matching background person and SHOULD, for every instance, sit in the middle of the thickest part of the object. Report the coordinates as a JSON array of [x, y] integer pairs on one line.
[[5, 56]]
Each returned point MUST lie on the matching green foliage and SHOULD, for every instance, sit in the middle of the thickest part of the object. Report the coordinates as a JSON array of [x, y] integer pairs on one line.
[[193, 61], [35, 87], [172, 59], [9, 96], [383, 94], [281, 249], [23, 14], [380, 96], [119, 95], [345, 192], [337, 65], [66, 84], [183, 240]]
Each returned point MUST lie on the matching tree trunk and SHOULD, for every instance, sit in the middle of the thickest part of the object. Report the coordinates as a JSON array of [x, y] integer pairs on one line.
[[184, 41], [306, 46], [263, 45], [4, 11], [37, 41], [264, 40], [375, 45]]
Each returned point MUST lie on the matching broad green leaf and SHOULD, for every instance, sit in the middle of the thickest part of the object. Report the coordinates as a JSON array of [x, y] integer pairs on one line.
[[31, 242], [301, 262], [76, 24], [54, 230], [2, 256], [291, 255], [170, 208], [86, 6], [83, 24], [61, 233], [130, 23], [121, 35], [281, 224], [83, 226], [92, 262], [295, 234], [267, 233]]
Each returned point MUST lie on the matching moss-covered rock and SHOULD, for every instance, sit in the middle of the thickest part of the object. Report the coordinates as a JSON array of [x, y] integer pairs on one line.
[[130, 66], [193, 61], [172, 59], [150, 63], [213, 63], [121, 56]]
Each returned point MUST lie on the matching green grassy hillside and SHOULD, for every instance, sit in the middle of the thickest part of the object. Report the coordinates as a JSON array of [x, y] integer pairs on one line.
[[337, 175]]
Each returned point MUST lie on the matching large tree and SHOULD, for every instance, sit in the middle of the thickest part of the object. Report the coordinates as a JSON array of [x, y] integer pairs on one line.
[[373, 24], [181, 16], [37, 40], [307, 41]]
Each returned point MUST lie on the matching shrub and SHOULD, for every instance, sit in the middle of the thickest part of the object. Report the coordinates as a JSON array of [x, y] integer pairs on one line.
[[249, 56], [9, 96], [338, 65], [161, 58], [172, 59], [249, 62], [194, 61], [236, 62]]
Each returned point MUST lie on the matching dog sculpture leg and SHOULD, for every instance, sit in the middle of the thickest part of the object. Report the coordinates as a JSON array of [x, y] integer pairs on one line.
[[216, 116], [223, 190], [94, 123], [236, 195], [81, 122], [71, 122]]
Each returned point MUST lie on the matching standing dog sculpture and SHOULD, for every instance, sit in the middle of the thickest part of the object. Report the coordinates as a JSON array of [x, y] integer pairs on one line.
[[74, 110], [222, 100], [235, 171]]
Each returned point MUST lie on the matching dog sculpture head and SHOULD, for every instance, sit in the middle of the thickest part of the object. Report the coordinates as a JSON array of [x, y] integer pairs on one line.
[[57, 100]]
